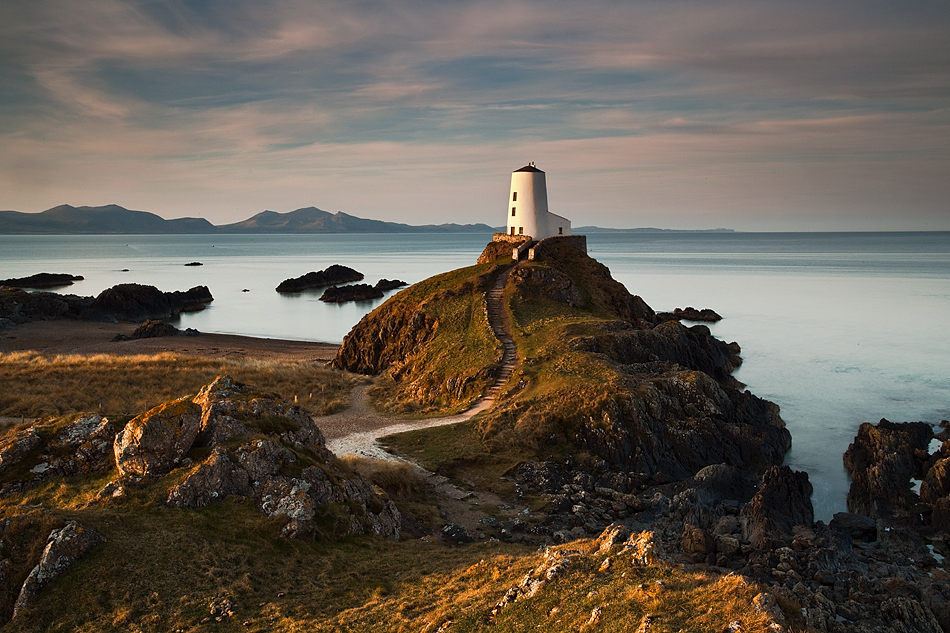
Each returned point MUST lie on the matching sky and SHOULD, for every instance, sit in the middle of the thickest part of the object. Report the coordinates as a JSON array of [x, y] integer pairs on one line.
[[757, 116]]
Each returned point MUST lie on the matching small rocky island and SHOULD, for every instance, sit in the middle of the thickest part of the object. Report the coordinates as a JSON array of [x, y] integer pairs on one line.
[[331, 276], [123, 302], [42, 280]]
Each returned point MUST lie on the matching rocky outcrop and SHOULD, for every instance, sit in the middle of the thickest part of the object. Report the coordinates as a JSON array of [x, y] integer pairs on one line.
[[548, 283], [690, 314], [881, 461], [19, 306], [137, 302], [63, 548], [602, 292], [42, 280], [389, 284], [353, 292], [225, 441], [81, 447], [331, 276], [271, 470], [157, 440], [501, 250], [13, 449]]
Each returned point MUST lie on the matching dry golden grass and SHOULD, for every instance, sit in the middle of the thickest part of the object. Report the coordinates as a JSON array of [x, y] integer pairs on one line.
[[38, 385]]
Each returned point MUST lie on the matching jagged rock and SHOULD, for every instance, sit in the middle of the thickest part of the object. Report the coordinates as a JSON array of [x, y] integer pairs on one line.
[[353, 292], [612, 536], [212, 480], [155, 442], [14, 449], [644, 548], [63, 548], [782, 502], [881, 461], [331, 276], [42, 280], [83, 446], [936, 483], [389, 284], [288, 497], [264, 458]]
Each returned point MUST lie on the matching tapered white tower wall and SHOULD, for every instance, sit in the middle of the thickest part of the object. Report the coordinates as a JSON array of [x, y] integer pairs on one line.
[[528, 206]]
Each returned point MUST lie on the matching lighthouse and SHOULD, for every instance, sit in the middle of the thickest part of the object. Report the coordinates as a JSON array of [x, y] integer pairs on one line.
[[528, 213]]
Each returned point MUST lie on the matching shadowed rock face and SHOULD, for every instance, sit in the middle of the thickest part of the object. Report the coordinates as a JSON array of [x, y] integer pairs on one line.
[[881, 461], [782, 502]]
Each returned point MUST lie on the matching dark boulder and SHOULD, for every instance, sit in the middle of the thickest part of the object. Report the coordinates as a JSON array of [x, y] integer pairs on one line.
[[354, 292], [42, 280], [860, 528], [194, 264], [331, 276], [154, 328]]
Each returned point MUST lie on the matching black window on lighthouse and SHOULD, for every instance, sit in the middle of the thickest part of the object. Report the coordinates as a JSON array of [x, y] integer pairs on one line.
[[514, 196], [512, 212]]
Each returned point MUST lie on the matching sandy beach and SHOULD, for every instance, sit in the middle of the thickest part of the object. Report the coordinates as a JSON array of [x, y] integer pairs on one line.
[[82, 337]]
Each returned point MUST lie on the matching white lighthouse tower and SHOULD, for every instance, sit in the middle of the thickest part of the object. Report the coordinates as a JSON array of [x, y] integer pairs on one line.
[[528, 213]]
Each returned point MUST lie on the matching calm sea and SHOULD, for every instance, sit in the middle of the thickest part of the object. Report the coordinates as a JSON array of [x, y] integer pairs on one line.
[[837, 328]]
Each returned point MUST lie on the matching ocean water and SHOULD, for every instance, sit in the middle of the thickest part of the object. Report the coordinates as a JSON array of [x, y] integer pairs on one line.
[[836, 328]]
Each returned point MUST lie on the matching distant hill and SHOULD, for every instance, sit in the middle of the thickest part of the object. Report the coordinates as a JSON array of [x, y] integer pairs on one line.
[[314, 220], [113, 219], [66, 219]]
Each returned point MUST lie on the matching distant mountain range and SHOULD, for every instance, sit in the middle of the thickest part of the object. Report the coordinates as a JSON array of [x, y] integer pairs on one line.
[[113, 219], [68, 220]]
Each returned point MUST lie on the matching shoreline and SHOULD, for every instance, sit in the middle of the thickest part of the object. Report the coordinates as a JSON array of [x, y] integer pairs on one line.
[[89, 338]]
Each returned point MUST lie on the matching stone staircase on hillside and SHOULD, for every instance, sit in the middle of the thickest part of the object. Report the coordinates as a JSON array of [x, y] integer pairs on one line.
[[500, 325]]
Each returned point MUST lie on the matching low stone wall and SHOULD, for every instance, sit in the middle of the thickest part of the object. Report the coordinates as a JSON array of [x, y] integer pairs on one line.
[[513, 239], [577, 241]]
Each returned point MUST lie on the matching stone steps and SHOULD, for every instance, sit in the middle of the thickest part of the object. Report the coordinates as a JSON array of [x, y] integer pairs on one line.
[[497, 319]]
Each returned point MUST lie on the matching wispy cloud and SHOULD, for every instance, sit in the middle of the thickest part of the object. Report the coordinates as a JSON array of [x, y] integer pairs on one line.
[[757, 113]]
